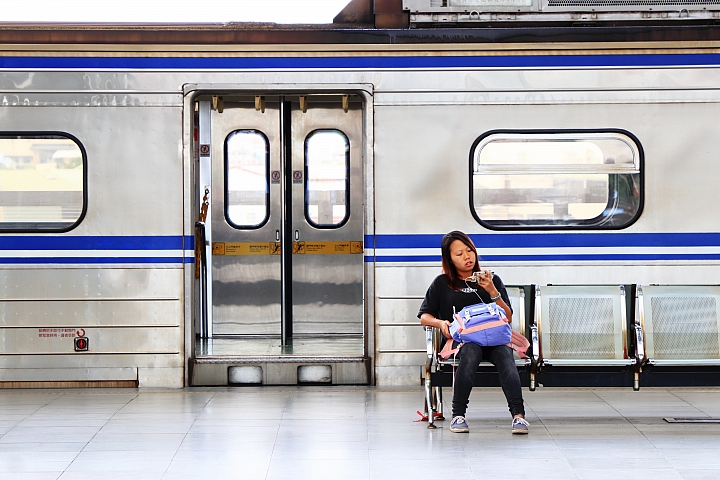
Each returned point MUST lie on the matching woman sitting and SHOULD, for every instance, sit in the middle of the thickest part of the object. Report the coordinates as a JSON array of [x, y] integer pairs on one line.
[[450, 293]]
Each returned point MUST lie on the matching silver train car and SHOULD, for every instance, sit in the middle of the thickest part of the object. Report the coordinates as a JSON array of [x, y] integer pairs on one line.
[[243, 205]]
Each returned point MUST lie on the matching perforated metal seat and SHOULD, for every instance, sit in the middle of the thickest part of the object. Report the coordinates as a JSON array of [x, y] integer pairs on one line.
[[582, 326], [433, 363], [681, 324]]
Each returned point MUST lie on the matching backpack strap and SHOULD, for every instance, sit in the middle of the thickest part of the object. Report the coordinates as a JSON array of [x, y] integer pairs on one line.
[[483, 326], [519, 343], [447, 350]]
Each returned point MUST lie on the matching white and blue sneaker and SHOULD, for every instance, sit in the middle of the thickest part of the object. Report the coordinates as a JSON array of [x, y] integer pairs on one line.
[[459, 425], [520, 426]]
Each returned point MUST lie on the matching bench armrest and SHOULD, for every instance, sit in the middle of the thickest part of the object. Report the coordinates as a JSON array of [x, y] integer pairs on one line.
[[639, 344], [430, 342], [535, 343]]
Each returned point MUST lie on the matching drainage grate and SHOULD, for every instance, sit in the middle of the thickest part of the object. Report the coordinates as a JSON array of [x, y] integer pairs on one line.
[[692, 420]]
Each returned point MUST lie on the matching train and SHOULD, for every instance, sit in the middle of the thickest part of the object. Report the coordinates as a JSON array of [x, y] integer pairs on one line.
[[194, 205]]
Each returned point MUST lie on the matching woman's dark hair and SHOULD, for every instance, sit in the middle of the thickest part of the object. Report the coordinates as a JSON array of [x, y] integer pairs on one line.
[[451, 273]]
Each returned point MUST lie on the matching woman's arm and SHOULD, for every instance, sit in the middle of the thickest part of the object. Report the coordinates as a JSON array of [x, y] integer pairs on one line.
[[501, 303], [430, 304], [430, 321]]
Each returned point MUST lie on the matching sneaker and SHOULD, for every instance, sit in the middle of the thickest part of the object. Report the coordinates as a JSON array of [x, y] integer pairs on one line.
[[459, 425], [520, 426]]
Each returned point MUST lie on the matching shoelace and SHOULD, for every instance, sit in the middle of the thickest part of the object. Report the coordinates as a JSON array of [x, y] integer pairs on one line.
[[458, 419], [520, 420]]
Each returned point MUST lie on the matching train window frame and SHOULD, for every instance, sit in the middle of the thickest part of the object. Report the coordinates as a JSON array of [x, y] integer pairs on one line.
[[597, 223], [267, 180], [307, 180], [49, 227]]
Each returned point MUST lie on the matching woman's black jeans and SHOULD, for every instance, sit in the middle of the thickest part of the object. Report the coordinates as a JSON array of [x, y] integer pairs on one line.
[[502, 357]]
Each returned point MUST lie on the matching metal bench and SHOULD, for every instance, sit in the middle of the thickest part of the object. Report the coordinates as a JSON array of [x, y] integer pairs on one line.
[[436, 366], [681, 324], [583, 326]]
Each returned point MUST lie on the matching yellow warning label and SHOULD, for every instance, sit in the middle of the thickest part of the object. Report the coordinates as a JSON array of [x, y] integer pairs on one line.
[[246, 248], [275, 248], [326, 248]]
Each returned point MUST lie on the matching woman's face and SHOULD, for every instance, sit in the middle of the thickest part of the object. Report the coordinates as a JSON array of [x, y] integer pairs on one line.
[[463, 257]]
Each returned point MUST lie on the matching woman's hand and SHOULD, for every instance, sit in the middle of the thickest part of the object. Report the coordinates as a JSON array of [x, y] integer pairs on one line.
[[445, 329], [430, 321], [485, 281]]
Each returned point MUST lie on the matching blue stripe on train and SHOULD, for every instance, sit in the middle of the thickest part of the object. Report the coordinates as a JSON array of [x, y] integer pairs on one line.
[[69, 242], [548, 258], [93, 260], [352, 62], [553, 240]]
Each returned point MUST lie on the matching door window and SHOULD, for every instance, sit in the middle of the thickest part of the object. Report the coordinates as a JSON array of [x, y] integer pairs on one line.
[[327, 165], [247, 165]]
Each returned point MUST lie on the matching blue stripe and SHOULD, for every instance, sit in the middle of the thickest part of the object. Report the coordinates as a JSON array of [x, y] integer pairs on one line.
[[409, 258], [352, 62], [550, 258], [67, 242], [556, 240], [93, 260]]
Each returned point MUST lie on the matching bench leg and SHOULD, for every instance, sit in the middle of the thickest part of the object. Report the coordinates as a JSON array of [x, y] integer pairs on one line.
[[439, 403], [532, 378], [429, 403], [636, 380]]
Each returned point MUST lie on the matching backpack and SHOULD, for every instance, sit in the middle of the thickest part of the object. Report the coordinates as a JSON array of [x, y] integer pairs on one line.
[[482, 323]]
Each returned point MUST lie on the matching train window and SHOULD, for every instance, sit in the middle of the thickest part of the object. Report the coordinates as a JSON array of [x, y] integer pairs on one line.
[[247, 187], [42, 182], [544, 180], [327, 166]]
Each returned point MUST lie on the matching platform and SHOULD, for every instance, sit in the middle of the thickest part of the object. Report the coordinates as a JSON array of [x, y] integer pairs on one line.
[[353, 433]]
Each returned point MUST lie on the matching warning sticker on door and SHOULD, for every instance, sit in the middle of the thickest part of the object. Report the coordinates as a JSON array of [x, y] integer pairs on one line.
[[275, 248], [298, 248], [327, 248], [246, 248]]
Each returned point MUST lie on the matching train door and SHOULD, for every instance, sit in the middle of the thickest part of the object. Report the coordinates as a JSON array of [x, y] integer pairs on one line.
[[283, 178]]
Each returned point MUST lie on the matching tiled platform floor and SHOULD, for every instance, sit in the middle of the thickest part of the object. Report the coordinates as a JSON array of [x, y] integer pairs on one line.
[[349, 433]]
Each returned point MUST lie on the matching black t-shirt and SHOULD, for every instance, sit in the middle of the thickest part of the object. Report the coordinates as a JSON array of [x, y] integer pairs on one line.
[[440, 298]]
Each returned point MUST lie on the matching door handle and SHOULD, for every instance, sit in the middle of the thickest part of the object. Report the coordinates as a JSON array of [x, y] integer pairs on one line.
[[297, 235]]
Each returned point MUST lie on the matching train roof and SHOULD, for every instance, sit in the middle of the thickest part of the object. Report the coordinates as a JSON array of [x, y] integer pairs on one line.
[[409, 22], [275, 34]]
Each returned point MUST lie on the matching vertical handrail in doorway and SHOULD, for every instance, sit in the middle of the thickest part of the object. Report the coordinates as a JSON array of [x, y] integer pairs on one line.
[[201, 262], [205, 184]]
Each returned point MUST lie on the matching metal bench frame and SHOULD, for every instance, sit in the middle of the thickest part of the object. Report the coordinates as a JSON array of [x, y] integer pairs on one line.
[[540, 360], [642, 319]]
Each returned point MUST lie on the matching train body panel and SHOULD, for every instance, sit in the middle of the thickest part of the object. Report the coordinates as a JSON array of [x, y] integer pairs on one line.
[[124, 275]]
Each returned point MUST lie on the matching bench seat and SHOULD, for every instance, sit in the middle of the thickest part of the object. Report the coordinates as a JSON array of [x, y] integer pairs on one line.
[[584, 326]]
